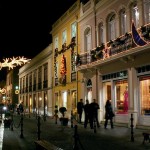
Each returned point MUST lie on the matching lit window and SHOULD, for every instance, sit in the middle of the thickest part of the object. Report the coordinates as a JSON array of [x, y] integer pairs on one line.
[[112, 27], [101, 33], [64, 36], [121, 96], [145, 95], [56, 42], [147, 11], [123, 23], [135, 15], [87, 40], [73, 30]]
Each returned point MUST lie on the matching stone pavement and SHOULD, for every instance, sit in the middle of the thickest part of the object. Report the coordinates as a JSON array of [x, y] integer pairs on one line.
[[104, 139]]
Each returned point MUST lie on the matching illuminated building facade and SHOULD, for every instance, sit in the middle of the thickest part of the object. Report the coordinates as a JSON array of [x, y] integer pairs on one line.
[[114, 57], [100, 51], [64, 34], [35, 83]]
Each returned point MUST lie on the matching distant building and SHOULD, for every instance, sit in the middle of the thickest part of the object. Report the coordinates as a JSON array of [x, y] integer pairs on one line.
[[12, 84], [35, 83]]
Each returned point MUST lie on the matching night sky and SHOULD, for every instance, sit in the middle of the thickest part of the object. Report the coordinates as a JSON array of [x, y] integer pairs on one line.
[[25, 25]]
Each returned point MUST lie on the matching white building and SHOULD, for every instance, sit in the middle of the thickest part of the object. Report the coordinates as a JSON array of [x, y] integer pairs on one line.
[[35, 83], [119, 70]]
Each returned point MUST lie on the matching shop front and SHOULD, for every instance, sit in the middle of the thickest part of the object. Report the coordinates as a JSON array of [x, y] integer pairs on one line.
[[115, 88], [144, 96]]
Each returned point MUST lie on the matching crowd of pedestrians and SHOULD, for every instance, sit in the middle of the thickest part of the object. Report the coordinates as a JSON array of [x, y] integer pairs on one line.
[[91, 113]]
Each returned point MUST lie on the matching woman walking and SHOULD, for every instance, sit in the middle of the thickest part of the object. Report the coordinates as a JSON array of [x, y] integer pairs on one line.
[[108, 114]]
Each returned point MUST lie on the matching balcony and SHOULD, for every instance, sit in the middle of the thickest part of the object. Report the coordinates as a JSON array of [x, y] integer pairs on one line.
[[123, 48]]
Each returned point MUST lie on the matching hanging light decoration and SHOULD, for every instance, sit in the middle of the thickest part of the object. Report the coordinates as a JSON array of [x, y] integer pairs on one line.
[[13, 62], [3, 91]]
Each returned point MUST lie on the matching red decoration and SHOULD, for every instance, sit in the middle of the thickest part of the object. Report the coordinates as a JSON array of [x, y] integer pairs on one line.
[[63, 69]]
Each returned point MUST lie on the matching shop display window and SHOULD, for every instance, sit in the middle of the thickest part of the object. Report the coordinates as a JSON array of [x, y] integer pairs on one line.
[[145, 95], [121, 96]]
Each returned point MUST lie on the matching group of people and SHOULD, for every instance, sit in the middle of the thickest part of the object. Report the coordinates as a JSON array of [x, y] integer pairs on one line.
[[91, 113]]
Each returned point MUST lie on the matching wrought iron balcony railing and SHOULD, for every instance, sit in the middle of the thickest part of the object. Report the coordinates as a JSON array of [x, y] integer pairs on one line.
[[111, 48]]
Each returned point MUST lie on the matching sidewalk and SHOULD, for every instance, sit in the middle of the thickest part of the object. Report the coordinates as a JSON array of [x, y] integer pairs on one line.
[[104, 139]]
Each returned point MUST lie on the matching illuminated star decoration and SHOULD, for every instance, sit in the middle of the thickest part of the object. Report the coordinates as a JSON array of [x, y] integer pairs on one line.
[[13, 62]]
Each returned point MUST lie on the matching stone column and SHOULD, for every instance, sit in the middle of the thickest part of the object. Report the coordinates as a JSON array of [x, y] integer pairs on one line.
[[132, 98]]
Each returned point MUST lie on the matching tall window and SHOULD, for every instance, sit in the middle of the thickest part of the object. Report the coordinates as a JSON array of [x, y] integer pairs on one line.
[[56, 42], [64, 36], [123, 22], [73, 29], [27, 81], [34, 77], [145, 95], [45, 72], [112, 27], [40, 75], [87, 39], [147, 11], [135, 14], [101, 33], [121, 96], [30, 79]]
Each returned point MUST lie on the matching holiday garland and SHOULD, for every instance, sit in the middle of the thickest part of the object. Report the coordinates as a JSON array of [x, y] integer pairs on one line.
[[63, 61]]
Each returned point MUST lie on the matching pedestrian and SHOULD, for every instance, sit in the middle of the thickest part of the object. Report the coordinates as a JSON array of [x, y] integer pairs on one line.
[[87, 113], [108, 114], [94, 106], [80, 109], [21, 107]]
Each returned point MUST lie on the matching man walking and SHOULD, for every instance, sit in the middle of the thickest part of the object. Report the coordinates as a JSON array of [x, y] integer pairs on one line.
[[94, 113], [80, 109]]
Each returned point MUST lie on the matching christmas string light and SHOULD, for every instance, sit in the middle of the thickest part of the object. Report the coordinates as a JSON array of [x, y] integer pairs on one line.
[[13, 62], [3, 91]]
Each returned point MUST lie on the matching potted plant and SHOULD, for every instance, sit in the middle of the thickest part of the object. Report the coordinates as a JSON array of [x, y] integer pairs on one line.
[[63, 119]]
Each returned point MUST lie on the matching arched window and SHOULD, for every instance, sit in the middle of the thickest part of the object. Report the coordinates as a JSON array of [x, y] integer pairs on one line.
[[123, 22], [87, 39], [89, 90], [147, 11], [101, 33], [135, 14], [112, 27]]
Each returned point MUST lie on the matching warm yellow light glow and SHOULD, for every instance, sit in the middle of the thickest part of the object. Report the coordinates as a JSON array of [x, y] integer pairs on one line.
[[3, 91], [13, 62]]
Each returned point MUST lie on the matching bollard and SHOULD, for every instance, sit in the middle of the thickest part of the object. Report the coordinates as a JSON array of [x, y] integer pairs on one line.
[[38, 127], [21, 123], [56, 113], [71, 119], [132, 133], [12, 119], [75, 146]]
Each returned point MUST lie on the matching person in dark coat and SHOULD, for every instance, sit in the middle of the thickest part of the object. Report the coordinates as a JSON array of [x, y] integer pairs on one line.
[[94, 113], [21, 108], [108, 114], [80, 109], [87, 113]]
